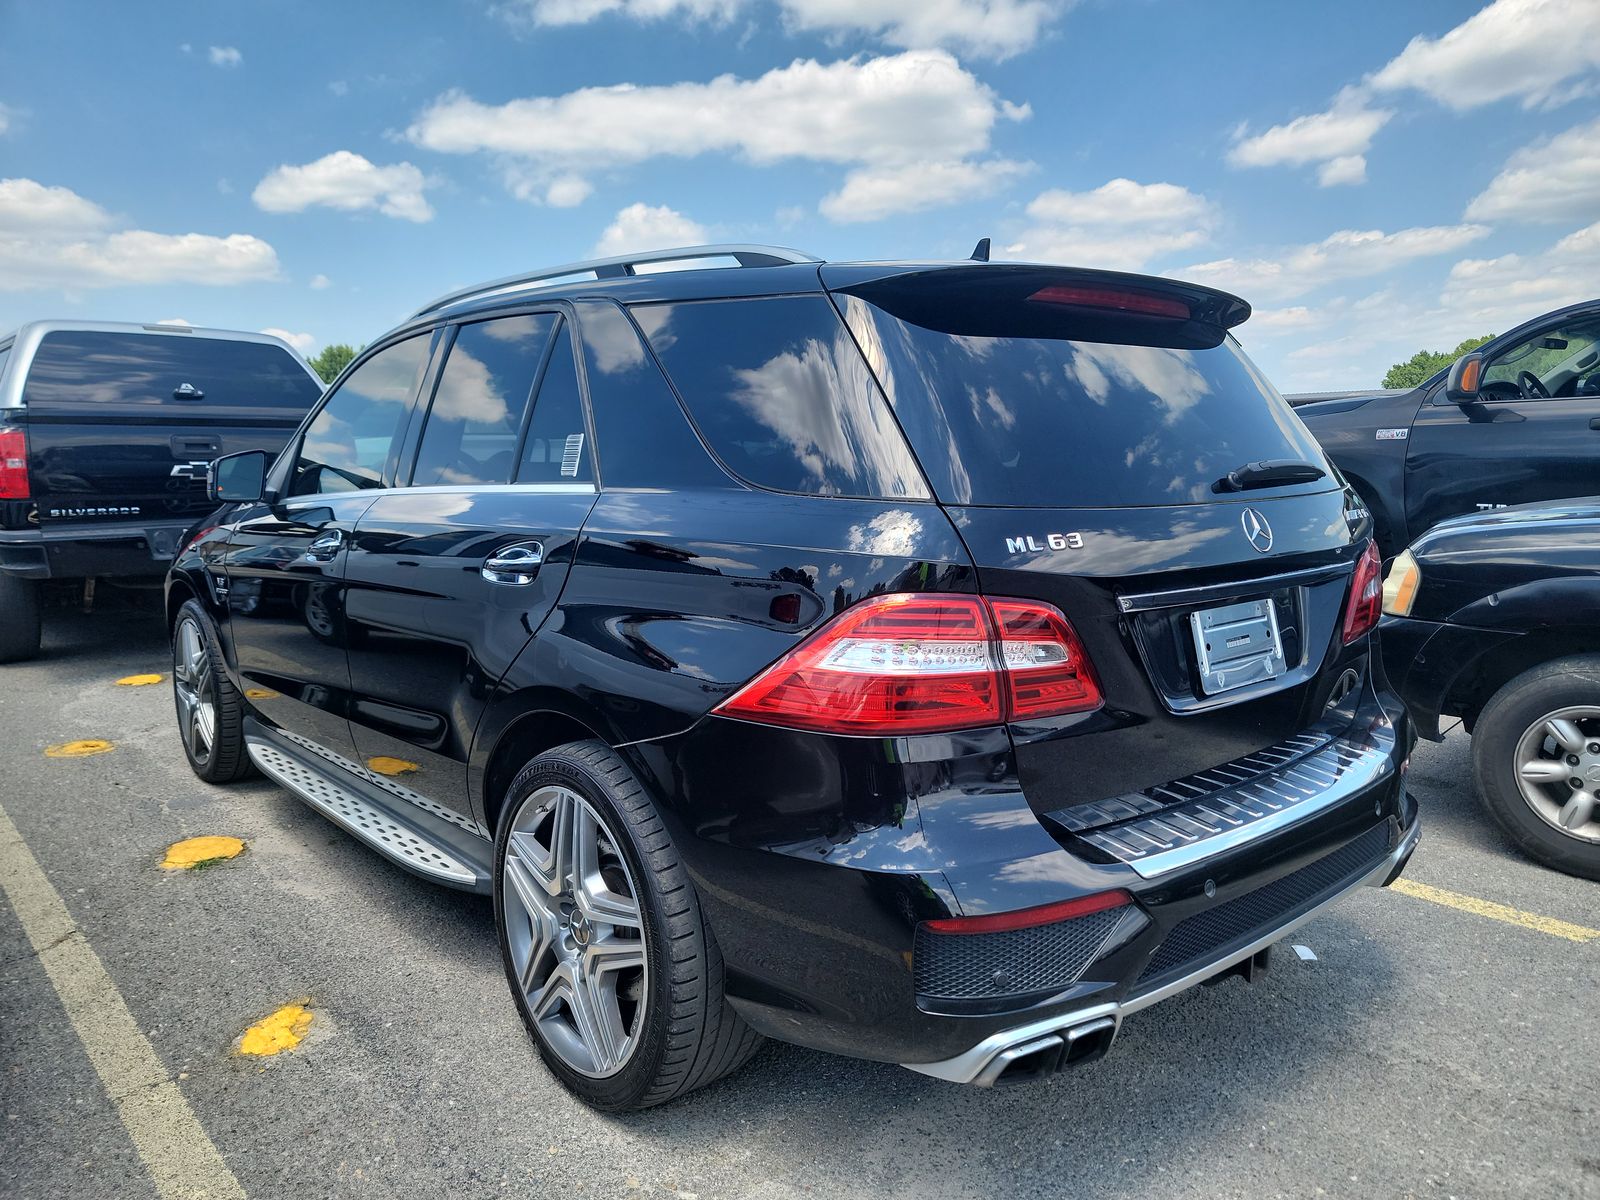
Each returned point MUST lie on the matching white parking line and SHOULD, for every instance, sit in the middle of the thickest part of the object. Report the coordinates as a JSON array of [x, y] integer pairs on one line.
[[182, 1162]]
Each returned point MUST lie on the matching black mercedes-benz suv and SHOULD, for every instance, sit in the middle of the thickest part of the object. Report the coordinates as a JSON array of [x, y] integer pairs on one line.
[[930, 662]]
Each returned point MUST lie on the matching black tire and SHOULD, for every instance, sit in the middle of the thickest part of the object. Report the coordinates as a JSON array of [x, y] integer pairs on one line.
[[1514, 709], [19, 618], [221, 758], [689, 1035]]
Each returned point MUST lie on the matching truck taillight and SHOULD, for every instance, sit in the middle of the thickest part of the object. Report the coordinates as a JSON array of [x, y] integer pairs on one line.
[[13, 464], [924, 663], [1365, 605]]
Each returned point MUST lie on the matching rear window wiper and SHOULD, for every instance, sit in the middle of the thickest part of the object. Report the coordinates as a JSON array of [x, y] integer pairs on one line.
[[1275, 472]]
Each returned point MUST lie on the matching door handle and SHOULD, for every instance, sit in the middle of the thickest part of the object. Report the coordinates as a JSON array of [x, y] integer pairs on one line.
[[325, 547], [514, 564], [1594, 422]]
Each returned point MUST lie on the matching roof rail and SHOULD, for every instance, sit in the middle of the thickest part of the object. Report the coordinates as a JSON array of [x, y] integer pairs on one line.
[[624, 265]]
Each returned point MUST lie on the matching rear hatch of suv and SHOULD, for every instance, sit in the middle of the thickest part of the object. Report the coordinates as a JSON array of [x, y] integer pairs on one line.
[[1081, 429], [122, 423]]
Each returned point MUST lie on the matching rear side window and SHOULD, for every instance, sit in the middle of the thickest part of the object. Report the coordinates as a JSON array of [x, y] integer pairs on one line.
[[781, 394], [557, 447], [85, 372], [1035, 421], [478, 408], [348, 444]]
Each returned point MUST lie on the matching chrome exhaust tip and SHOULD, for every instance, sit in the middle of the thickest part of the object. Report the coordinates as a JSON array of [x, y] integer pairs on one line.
[[1043, 1056]]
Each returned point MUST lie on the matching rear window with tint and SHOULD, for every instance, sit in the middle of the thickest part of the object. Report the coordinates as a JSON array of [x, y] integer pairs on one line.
[[1049, 422], [781, 394], [87, 372]]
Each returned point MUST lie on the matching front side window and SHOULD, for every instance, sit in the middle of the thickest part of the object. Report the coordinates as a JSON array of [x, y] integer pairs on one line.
[[348, 443], [783, 396], [1557, 363], [476, 418]]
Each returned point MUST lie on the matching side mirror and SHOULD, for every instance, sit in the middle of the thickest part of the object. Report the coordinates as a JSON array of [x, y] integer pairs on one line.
[[238, 477], [1465, 376]]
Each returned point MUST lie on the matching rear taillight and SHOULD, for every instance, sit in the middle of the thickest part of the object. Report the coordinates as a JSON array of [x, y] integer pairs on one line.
[[1125, 300], [1028, 918], [919, 663], [1365, 605], [13, 464]]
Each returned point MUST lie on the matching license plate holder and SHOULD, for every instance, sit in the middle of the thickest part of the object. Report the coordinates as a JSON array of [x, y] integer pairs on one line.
[[1237, 644]]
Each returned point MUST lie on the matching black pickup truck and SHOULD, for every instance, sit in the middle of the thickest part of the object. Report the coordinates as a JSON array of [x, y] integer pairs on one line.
[[1514, 422], [106, 432]]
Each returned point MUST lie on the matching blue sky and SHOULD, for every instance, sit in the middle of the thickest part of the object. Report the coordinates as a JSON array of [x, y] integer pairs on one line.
[[1373, 177]]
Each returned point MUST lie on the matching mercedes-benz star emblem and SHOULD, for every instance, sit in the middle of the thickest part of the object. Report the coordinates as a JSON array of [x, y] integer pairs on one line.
[[1256, 529]]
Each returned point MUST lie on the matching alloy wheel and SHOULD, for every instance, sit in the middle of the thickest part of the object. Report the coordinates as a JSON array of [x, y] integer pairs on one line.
[[1558, 770], [195, 687], [576, 932]]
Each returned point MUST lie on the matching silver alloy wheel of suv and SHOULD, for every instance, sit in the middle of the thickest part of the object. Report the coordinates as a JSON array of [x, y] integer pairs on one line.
[[196, 692], [1558, 770], [571, 914]]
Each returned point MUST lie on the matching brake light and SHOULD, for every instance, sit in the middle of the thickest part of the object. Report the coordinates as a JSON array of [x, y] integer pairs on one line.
[[13, 464], [1028, 918], [1365, 605], [919, 663], [1147, 303]]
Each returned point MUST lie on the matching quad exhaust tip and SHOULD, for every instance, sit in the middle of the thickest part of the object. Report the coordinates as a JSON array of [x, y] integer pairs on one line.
[[1043, 1056]]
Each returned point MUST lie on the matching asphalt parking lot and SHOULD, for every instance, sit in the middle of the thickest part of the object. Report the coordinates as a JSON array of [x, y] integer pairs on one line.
[[1437, 1046]]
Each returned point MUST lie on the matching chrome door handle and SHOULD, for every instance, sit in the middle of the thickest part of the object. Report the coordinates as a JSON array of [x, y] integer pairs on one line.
[[325, 546], [514, 564]]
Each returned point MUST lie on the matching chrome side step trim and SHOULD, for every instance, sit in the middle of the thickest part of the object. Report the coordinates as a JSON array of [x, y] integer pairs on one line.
[[972, 1066], [360, 817]]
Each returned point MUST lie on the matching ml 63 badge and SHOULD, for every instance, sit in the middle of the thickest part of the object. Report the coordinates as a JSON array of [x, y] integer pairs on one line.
[[1052, 541]]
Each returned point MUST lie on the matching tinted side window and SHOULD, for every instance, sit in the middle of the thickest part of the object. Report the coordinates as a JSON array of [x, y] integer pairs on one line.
[[82, 371], [349, 441], [557, 448], [476, 418], [780, 392]]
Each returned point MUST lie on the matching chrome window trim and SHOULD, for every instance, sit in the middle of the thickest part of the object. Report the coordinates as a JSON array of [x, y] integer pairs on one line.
[[1181, 597]]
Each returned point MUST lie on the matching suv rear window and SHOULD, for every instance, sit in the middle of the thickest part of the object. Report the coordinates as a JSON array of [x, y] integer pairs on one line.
[[84, 372], [1034, 421], [781, 394]]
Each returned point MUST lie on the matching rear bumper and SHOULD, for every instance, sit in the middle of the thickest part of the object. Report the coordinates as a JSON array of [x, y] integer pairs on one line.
[[145, 550]]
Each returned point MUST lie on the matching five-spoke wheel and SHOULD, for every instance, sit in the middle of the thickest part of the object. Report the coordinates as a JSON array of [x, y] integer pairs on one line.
[[195, 688], [1558, 770]]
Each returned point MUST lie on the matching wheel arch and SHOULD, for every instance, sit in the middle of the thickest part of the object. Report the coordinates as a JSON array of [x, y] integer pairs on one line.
[[540, 723], [1474, 688]]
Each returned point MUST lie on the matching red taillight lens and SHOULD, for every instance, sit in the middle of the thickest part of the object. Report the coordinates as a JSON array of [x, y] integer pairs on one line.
[[13, 464], [917, 663], [1145, 303], [1027, 918], [1365, 605]]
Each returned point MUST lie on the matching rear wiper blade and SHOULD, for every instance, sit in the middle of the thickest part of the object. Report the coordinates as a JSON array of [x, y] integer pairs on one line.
[[1276, 472]]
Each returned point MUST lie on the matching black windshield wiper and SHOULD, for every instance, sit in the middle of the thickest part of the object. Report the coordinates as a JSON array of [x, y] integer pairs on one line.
[[1275, 472]]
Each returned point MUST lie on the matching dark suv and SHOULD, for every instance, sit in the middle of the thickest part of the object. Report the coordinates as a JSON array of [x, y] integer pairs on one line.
[[106, 431], [929, 662]]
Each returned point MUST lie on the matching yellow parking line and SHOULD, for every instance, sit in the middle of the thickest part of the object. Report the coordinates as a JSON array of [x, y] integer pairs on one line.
[[182, 1161], [1496, 912]]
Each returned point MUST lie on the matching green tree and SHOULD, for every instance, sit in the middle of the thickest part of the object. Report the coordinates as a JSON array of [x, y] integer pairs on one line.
[[332, 360], [1425, 363]]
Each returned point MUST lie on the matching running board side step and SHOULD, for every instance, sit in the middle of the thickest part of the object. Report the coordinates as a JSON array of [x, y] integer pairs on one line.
[[343, 804]]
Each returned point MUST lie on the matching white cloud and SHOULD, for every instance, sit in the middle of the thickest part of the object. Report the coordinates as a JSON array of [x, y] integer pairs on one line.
[[568, 191], [1120, 225], [1553, 180], [1500, 292], [50, 237], [648, 227], [224, 56], [1338, 139], [1347, 254], [983, 28], [6, 116], [872, 193], [302, 342], [346, 181], [319, 282], [916, 107], [1542, 52]]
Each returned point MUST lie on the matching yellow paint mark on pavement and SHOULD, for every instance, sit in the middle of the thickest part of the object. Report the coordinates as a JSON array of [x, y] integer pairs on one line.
[[182, 1161], [260, 694], [80, 749], [384, 765], [200, 852], [138, 680], [277, 1032], [1496, 912]]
